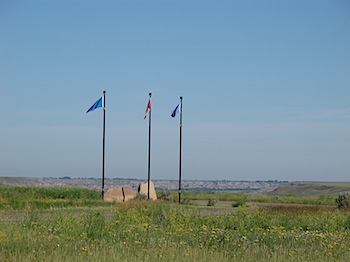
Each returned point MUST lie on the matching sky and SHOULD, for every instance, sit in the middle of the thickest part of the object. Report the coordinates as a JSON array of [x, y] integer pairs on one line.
[[265, 87]]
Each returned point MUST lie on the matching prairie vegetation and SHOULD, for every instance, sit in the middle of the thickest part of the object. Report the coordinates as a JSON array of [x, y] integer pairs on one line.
[[88, 230], [243, 198], [19, 197]]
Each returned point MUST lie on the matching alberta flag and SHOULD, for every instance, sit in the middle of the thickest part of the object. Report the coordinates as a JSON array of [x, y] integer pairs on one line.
[[175, 111], [97, 104], [148, 108]]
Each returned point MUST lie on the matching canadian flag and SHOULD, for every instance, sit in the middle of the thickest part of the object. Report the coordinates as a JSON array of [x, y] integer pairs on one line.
[[148, 108]]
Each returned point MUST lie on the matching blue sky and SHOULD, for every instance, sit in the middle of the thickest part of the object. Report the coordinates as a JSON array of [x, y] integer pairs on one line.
[[265, 86]]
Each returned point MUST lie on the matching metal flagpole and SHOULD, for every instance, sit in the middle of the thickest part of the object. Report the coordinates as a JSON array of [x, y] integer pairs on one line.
[[180, 154], [103, 143], [149, 147]]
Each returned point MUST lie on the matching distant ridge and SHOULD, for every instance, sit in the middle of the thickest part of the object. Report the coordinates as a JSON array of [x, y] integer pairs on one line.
[[200, 185], [312, 188], [273, 187]]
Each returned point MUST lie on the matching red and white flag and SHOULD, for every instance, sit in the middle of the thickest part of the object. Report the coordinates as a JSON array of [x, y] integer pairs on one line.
[[148, 108]]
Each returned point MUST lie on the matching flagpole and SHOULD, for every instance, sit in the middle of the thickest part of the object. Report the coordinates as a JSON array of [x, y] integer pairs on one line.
[[180, 154], [149, 148], [103, 144]]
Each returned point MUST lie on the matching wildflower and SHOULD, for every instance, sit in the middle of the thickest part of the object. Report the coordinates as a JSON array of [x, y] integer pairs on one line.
[[319, 235]]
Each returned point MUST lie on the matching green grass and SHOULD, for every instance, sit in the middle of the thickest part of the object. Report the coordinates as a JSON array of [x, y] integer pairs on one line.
[[16, 197], [159, 231], [242, 198], [74, 224], [33, 198]]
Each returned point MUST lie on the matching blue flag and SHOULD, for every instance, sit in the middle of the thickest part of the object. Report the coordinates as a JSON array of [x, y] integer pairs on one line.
[[97, 104], [175, 111]]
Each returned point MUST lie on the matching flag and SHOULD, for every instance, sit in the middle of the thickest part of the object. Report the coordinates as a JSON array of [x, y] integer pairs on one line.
[[148, 108], [175, 111], [97, 104]]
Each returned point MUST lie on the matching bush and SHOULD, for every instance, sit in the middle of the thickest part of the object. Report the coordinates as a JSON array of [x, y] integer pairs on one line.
[[166, 195], [212, 202], [185, 201], [140, 197], [235, 204], [343, 200]]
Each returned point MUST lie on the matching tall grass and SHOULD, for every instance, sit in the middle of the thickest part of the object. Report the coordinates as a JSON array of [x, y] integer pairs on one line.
[[159, 231], [16, 197]]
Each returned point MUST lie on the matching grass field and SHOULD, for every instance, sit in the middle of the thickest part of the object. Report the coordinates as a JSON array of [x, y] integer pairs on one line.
[[88, 229]]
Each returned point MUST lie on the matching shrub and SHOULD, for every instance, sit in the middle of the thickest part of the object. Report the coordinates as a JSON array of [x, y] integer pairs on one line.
[[165, 195], [235, 204], [212, 202], [140, 197], [185, 201], [343, 200]]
